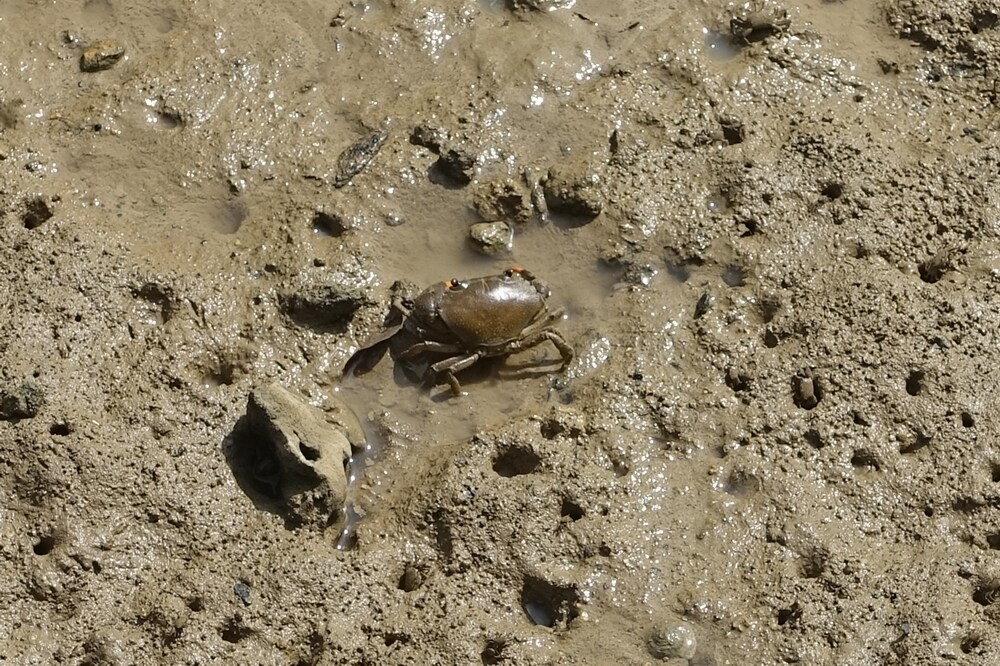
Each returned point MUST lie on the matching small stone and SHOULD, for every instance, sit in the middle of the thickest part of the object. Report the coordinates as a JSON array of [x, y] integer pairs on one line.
[[491, 237], [23, 402], [673, 641], [101, 55]]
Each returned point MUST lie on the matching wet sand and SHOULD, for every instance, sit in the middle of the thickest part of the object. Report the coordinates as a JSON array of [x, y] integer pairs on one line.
[[774, 229]]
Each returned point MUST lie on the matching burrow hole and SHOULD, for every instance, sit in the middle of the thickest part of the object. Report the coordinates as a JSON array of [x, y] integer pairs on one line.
[[994, 541], [233, 631], [325, 224], [970, 643], [987, 592], [915, 382], [36, 213], [832, 190], [865, 461], [995, 472], [60, 429], [547, 604], [789, 615], [493, 652], [516, 461], [967, 420], [571, 510], [44, 545]]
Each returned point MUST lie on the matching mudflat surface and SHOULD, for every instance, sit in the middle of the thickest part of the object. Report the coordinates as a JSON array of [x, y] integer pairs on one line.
[[776, 233]]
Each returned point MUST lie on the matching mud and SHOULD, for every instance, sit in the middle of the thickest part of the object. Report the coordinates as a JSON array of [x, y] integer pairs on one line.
[[775, 231]]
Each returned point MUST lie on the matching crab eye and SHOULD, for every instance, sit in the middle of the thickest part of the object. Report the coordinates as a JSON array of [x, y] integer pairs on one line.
[[457, 285]]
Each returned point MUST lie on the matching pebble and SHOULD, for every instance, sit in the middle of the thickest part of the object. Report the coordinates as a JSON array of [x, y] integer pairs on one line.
[[101, 55], [491, 237], [673, 641]]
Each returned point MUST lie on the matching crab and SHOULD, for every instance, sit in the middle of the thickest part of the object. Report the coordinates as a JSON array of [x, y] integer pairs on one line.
[[465, 321]]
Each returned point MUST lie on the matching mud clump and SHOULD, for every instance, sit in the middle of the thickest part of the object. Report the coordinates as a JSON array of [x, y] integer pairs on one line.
[[21, 402], [574, 193]]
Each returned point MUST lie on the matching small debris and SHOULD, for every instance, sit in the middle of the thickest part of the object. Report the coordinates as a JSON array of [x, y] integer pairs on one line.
[[242, 592], [101, 55], [358, 156]]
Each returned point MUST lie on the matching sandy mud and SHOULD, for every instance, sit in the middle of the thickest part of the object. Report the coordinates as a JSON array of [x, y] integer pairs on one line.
[[775, 229]]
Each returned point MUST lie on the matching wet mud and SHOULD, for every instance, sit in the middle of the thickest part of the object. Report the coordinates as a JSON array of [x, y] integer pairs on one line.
[[774, 230]]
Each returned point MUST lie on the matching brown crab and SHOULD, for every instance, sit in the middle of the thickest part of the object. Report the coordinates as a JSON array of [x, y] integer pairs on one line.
[[466, 321]]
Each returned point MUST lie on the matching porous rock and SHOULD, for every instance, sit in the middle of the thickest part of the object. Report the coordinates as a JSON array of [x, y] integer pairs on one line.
[[285, 451]]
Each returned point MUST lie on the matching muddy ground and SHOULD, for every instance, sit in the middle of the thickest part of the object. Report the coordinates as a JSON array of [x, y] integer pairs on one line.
[[776, 233]]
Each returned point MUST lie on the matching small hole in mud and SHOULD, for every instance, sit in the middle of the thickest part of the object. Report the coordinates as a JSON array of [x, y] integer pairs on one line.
[[967, 420], [516, 461], [929, 511], [970, 643], [551, 429], [987, 592], [234, 630], [196, 604], [547, 604], [815, 439], [36, 213], [733, 130], [995, 472], [493, 652], [60, 429], [44, 545], [994, 541], [814, 564], [789, 615], [932, 270], [915, 382], [865, 460], [919, 441], [394, 637], [618, 463], [571, 510], [604, 551], [770, 340], [309, 453], [325, 224], [734, 276], [832, 190]]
